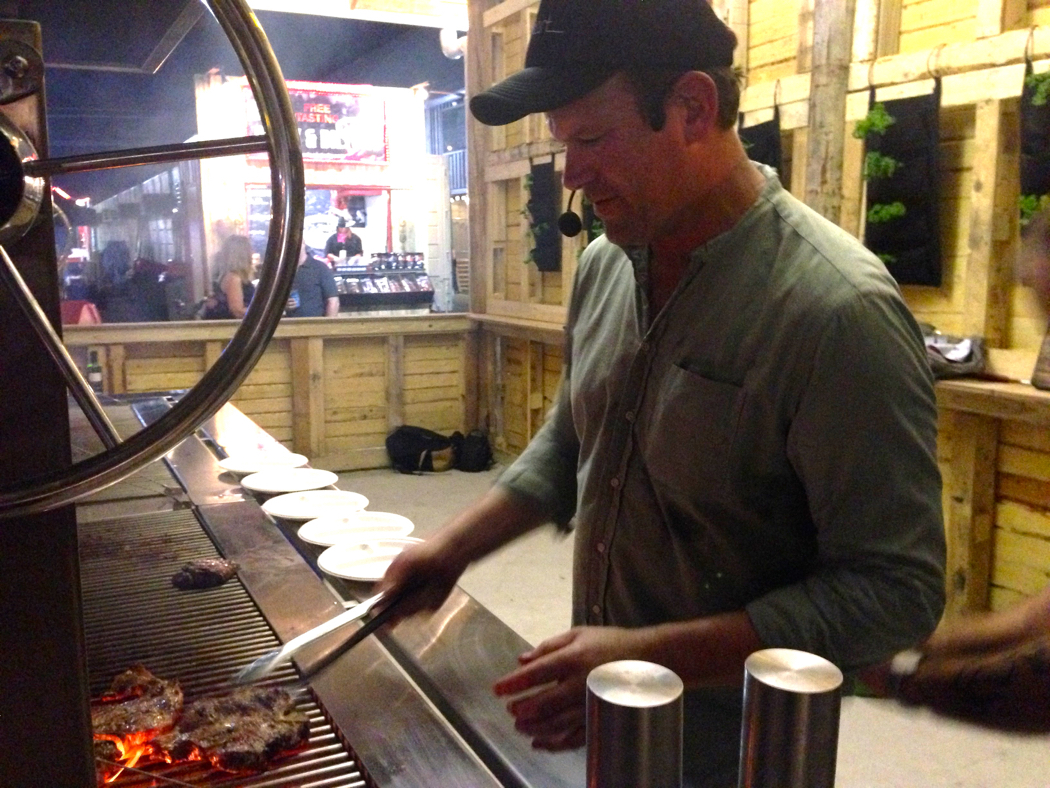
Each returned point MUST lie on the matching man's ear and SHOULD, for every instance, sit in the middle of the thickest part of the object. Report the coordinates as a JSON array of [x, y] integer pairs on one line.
[[696, 95]]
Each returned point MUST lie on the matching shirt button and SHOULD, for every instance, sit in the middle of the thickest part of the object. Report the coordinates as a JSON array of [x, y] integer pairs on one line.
[[596, 610], [614, 483], [629, 415], [600, 547]]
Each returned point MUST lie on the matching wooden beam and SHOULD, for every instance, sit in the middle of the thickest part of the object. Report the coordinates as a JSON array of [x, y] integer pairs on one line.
[[888, 36], [308, 419], [395, 382], [479, 75], [988, 281], [971, 511], [806, 27], [831, 53]]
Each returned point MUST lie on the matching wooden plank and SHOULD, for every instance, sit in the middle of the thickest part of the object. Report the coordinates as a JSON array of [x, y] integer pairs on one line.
[[118, 382], [479, 75], [501, 11], [267, 391], [354, 427], [1022, 549], [212, 351], [395, 382], [1025, 462], [831, 52], [1018, 577], [888, 37], [987, 279], [164, 381], [1022, 519], [308, 396], [1015, 433], [971, 514]]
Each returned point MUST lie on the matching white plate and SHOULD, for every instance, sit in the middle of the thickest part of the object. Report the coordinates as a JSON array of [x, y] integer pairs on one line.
[[314, 504], [356, 526], [365, 561], [244, 464], [286, 480]]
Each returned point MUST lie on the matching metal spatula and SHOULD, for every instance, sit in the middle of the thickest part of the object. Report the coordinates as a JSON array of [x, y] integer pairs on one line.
[[265, 664]]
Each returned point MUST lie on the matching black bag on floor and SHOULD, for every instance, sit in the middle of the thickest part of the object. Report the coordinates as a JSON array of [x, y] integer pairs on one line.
[[473, 454], [415, 449]]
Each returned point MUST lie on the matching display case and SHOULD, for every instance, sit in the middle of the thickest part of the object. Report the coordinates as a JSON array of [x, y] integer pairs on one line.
[[386, 281]]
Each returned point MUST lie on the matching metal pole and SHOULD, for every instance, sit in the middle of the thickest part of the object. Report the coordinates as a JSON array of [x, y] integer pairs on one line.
[[634, 726], [789, 737]]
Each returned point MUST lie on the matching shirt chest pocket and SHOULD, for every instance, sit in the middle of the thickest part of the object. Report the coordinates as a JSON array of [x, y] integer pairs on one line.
[[688, 436]]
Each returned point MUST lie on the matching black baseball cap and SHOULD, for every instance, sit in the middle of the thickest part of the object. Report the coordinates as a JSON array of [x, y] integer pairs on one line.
[[576, 45]]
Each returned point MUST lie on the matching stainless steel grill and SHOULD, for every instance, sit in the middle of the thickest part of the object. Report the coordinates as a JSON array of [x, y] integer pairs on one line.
[[134, 615]]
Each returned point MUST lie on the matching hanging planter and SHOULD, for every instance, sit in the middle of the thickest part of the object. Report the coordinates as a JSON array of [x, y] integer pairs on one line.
[[901, 168], [1035, 142], [541, 212]]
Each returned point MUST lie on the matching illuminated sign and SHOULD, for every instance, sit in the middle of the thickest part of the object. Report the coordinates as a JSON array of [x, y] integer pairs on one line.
[[335, 125]]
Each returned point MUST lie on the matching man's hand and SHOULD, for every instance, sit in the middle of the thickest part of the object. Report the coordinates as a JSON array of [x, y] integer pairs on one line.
[[554, 714], [428, 567]]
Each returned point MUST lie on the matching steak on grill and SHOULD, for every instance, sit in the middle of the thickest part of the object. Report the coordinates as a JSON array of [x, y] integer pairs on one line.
[[238, 732], [137, 702], [204, 573]]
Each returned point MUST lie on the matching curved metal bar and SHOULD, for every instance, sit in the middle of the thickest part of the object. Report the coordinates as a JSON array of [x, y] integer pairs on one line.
[[36, 316], [249, 342], [202, 149]]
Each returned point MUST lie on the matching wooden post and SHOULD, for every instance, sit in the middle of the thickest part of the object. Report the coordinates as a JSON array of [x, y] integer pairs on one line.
[[395, 381], [832, 51], [117, 379], [988, 279], [478, 71], [970, 494], [308, 432]]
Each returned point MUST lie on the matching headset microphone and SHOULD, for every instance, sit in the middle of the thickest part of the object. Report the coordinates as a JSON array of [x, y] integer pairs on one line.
[[569, 223]]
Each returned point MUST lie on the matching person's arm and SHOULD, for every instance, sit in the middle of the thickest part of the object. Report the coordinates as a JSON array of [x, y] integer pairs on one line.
[[354, 246], [329, 248], [232, 287], [992, 669], [435, 565], [330, 293]]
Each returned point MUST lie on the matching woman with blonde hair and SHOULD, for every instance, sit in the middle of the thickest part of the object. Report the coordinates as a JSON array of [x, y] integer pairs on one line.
[[232, 288]]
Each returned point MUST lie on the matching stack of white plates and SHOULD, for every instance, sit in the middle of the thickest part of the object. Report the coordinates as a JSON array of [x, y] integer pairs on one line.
[[363, 561], [314, 503], [355, 527]]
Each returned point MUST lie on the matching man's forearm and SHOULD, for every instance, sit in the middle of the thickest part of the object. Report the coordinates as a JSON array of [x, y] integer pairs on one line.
[[331, 307], [498, 518]]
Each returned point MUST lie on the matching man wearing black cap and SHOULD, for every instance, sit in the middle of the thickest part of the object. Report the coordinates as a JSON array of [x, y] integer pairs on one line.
[[745, 431]]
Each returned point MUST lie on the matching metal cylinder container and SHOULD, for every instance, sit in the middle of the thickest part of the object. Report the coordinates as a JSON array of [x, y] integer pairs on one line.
[[634, 726], [789, 736]]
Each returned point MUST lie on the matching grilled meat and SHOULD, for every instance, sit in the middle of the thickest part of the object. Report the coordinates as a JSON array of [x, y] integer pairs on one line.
[[204, 573], [137, 703], [238, 732]]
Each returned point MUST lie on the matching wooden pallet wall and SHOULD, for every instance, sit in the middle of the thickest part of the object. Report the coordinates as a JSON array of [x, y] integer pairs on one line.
[[329, 389]]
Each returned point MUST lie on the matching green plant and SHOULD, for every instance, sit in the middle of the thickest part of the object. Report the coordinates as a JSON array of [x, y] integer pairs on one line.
[[888, 259], [1041, 83], [875, 122], [1031, 204], [878, 214], [878, 166]]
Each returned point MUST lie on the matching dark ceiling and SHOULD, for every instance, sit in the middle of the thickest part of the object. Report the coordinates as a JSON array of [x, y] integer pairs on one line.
[[102, 96]]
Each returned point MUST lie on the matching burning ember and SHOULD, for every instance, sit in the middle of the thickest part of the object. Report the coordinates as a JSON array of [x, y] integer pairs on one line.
[[142, 719]]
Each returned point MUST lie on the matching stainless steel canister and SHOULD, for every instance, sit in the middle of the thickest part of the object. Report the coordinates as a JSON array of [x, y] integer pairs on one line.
[[634, 726], [789, 737]]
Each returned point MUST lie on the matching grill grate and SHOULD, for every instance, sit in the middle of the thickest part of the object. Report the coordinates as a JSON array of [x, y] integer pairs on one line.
[[133, 615]]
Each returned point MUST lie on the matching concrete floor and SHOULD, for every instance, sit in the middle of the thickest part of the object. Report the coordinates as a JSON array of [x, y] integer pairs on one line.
[[881, 745]]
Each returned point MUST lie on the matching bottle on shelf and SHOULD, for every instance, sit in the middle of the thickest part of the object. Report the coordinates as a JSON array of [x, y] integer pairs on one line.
[[94, 372]]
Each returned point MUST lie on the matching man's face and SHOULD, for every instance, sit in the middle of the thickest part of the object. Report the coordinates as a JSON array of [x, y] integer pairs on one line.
[[627, 170]]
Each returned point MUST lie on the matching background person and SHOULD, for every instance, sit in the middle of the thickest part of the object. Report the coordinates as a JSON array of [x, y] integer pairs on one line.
[[745, 431], [232, 288], [992, 669], [343, 240], [314, 292]]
